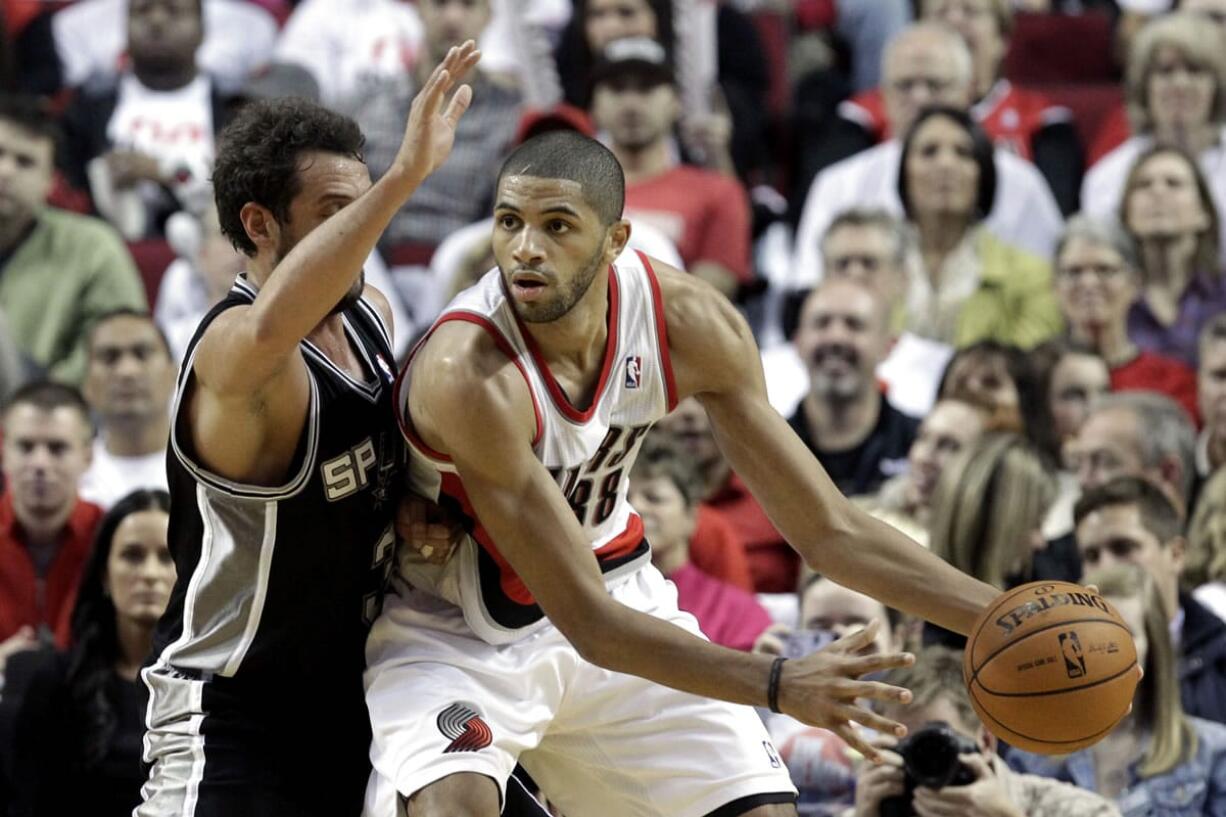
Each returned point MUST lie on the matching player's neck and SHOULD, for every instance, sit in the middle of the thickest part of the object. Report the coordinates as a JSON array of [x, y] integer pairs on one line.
[[840, 425], [578, 338], [647, 162]]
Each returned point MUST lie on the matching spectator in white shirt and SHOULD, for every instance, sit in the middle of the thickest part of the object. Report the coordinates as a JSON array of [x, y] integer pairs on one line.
[[128, 383]]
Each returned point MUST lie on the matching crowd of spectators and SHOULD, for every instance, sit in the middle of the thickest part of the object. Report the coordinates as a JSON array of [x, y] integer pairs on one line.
[[981, 244]]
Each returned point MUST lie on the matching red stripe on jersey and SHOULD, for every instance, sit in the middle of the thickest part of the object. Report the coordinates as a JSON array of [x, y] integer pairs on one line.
[[555, 391], [666, 360], [512, 585], [504, 346]]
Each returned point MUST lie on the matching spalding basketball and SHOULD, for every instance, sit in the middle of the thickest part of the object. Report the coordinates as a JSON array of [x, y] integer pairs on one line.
[[1051, 667]]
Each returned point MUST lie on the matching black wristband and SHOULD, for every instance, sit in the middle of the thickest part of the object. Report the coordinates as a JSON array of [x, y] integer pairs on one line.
[[772, 686]]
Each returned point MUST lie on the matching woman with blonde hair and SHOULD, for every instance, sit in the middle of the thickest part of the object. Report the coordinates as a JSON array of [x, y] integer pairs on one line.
[[1158, 760], [1176, 95], [1204, 571], [988, 509]]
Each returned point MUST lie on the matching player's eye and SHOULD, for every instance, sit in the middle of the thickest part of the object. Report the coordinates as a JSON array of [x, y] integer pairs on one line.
[[559, 227]]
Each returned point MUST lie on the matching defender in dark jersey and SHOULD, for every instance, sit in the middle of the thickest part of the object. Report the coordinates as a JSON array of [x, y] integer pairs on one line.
[[284, 467]]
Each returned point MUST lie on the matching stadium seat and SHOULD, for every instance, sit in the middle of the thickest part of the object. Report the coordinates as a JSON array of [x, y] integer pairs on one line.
[[152, 257], [1051, 48]]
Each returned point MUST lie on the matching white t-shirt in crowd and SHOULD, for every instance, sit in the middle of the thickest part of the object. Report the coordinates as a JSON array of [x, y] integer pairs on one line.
[[1024, 213], [111, 478], [91, 36]]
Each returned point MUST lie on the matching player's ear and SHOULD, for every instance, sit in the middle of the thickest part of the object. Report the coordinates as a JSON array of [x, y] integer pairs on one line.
[[261, 226], [617, 237]]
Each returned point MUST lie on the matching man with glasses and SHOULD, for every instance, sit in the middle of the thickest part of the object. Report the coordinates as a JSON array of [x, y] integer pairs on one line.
[[1131, 520]]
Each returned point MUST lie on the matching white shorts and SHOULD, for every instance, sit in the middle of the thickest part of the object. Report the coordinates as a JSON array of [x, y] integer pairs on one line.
[[598, 742]]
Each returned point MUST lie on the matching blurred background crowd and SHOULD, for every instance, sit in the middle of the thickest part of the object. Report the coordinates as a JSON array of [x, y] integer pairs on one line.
[[981, 244]]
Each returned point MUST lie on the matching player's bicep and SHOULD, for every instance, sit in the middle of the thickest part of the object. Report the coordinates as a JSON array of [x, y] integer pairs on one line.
[[231, 360]]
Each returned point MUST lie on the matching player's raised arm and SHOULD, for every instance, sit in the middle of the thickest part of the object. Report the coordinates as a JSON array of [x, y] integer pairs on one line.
[[482, 417], [251, 345], [716, 360]]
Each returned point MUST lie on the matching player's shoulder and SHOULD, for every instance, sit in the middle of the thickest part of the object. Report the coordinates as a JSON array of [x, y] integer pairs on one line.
[[702, 324], [379, 302], [461, 360]]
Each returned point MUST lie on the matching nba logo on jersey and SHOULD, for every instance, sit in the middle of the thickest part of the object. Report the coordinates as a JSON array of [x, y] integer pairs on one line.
[[634, 371]]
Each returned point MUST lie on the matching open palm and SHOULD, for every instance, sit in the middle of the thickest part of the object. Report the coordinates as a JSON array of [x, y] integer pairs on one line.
[[430, 132]]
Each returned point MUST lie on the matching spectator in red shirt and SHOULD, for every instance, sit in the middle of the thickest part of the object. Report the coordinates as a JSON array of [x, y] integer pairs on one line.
[[664, 489], [706, 214], [773, 564], [1097, 283], [45, 529]]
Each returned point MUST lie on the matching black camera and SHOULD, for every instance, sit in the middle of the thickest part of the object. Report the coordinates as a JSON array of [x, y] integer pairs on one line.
[[930, 759]]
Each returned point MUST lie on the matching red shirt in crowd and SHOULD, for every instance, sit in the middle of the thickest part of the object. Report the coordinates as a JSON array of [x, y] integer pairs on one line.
[[1152, 372], [716, 550], [1011, 116], [27, 600], [772, 562], [706, 214], [727, 615]]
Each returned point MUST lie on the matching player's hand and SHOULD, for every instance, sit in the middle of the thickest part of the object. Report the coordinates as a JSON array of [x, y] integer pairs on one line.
[[822, 689], [771, 640], [430, 132], [879, 781], [985, 797], [429, 534]]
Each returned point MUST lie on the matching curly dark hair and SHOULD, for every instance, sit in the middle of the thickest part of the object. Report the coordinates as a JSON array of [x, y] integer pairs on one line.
[[91, 661], [258, 155]]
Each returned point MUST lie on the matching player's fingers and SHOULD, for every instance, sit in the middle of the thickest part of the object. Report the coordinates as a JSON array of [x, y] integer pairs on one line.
[[877, 662], [875, 690], [857, 640], [853, 739], [458, 105], [872, 720]]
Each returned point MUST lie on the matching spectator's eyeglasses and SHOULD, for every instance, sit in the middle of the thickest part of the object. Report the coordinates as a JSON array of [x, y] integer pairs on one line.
[[909, 85], [1102, 272]]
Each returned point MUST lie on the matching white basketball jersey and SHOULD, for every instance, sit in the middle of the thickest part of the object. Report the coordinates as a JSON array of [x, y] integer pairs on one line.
[[589, 452]]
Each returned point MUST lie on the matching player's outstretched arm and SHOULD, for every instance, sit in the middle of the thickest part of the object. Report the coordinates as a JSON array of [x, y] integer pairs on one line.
[[715, 358], [469, 402], [308, 283]]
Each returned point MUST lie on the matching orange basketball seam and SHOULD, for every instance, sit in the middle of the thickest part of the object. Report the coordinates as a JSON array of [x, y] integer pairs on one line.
[[1055, 691], [1070, 622], [983, 712]]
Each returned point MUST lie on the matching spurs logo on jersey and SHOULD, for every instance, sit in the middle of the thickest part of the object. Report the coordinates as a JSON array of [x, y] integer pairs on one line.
[[589, 452]]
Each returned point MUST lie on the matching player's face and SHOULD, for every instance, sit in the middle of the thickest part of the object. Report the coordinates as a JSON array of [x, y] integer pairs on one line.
[[920, 72], [1094, 286], [26, 164], [829, 606], [609, 20], [45, 455], [1077, 382], [1164, 201], [166, 32], [942, 175], [842, 337], [866, 255], [329, 182], [1211, 386], [139, 570], [636, 113], [667, 519], [1106, 447], [949, 428], [130, 374], [549, 243], [449, 23], [1180, 92]]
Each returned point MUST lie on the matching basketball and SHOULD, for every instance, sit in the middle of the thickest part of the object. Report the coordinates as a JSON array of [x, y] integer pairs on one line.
[[1051, 667]]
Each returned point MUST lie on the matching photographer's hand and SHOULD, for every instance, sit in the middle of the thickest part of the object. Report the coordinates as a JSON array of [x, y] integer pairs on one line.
[[880, 781], [986, 797]]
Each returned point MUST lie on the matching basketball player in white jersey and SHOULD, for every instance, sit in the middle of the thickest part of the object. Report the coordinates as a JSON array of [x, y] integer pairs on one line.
[[549, 639]]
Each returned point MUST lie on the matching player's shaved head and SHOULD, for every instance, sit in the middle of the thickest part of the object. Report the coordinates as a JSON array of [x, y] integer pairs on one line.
[[575, 157]]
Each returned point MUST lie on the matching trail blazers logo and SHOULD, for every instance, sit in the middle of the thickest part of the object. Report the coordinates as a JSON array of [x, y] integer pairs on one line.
[[463, 724]]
